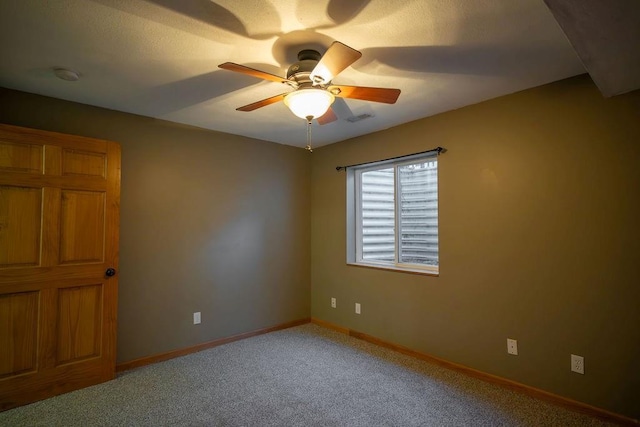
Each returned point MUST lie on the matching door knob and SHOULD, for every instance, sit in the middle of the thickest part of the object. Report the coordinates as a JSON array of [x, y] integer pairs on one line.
[[110, 272]]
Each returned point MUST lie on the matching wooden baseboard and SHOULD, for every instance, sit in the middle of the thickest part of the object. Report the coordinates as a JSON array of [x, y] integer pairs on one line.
[[565, 402], [143, 361], [329, 325]]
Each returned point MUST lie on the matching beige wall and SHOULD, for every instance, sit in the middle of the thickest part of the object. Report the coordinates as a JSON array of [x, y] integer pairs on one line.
[[210, 222], [539, 241]]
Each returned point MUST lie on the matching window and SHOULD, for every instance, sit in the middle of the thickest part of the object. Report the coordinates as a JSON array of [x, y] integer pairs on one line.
[[392, 214]]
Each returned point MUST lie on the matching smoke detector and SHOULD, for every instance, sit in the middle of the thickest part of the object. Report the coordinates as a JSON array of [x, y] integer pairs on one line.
[[65, 74]]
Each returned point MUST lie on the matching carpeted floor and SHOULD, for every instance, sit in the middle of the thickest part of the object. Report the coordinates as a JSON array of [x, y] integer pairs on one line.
[[303, 376]]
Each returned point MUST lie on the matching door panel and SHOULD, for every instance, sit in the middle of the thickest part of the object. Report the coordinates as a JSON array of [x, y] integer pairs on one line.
[[19, 317], [79, 323], [15, 157], [20, 220], [82, 226], [76, 162], [59, 221]]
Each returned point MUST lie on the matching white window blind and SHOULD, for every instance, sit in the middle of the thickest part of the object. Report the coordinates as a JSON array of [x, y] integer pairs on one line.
[[395, 213], [378, 215], [418, 205]]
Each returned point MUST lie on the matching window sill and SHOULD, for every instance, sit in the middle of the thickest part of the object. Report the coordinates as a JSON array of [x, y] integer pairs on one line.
[[409, 270]]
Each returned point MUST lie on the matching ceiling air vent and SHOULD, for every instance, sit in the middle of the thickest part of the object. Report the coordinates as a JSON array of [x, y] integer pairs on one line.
[[354, 119]]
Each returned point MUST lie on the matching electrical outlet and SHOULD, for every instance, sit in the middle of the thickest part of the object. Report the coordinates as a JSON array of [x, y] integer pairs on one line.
[[357, 308], [333, 303], [512, 346], [196, 318], [577, 364]]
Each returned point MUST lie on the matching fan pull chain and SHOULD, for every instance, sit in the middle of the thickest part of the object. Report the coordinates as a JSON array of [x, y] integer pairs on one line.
[[308, 147]]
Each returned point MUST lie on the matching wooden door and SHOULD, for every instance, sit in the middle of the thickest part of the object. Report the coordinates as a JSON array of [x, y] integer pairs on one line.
[[59, 221]]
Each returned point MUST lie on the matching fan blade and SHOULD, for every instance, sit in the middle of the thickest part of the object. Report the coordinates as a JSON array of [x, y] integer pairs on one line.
[[338, 57], [375, 94], [262, 103], [252, 72], [328, 117]]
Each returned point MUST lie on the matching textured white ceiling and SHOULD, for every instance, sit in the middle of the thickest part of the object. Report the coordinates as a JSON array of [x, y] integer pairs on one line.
[[159, 58]]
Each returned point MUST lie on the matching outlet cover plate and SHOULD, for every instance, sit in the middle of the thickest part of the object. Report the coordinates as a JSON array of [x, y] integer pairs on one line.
[[196, 318], [512, 346], [577, 364], [357, 308], [333, 303]]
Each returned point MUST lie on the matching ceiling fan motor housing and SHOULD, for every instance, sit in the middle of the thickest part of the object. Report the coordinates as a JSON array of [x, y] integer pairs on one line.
[[300, 71]]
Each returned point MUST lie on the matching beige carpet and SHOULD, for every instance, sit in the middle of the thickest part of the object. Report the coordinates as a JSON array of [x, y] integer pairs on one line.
[[303, 376]]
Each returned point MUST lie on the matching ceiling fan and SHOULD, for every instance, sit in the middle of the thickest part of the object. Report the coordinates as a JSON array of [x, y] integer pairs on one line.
[[311, 78]]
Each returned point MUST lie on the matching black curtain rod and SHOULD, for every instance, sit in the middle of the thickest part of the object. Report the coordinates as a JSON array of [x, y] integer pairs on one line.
[[439, 150]]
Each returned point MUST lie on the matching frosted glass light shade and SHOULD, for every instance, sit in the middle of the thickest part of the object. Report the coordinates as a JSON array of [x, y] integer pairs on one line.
[[309, 102]]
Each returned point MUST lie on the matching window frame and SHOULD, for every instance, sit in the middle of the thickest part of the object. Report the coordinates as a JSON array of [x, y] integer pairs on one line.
[[355, 217]]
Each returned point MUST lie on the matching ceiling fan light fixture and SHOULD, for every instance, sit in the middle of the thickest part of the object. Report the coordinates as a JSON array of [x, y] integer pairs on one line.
[[309, 102]]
